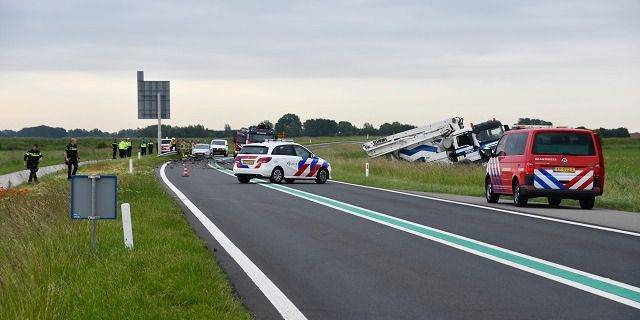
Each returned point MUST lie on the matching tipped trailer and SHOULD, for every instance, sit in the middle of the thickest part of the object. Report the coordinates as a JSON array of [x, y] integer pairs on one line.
[[444, 141]]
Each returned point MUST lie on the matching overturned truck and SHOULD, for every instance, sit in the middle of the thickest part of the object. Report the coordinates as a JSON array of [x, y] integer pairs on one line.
[[444, 141]]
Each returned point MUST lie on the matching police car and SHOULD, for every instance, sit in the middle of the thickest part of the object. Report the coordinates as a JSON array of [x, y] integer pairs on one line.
[[279, 161]]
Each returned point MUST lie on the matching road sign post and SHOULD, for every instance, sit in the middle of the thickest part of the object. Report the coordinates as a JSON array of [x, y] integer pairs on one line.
[[154, 102], [94, 198]]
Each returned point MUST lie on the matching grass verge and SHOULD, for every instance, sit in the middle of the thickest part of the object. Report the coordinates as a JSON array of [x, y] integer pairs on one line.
[[348, 161], [48, 270]]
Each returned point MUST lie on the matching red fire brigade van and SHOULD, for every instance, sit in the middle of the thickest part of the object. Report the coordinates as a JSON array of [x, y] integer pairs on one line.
[[556, 163]]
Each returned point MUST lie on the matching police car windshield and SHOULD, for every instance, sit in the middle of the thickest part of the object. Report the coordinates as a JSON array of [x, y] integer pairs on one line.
[[564, 143], [253, 150]]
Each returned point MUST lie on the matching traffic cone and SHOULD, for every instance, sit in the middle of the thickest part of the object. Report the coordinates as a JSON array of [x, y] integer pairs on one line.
[[185, 170]]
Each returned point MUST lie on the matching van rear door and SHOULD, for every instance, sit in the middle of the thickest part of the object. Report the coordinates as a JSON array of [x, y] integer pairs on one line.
[[564, 160]]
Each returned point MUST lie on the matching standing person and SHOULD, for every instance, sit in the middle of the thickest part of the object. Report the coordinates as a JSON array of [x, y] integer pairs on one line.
[[122, 148], [172, 145], [71, 157], [114, 146], [31, 160], [143, 147], [129, 147], [150, 147]]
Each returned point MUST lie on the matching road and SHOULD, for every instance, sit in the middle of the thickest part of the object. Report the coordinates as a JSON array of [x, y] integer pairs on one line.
[[339, 251]]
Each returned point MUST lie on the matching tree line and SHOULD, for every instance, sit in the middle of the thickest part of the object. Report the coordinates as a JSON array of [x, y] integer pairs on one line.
[[289, 123]]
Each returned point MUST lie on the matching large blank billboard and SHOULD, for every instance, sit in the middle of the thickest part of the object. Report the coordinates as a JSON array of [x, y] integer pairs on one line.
[[148, 96]]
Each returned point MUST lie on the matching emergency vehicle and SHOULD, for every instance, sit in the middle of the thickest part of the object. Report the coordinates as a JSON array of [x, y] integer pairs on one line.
[[253, 134], [279, 161], [557, 163]]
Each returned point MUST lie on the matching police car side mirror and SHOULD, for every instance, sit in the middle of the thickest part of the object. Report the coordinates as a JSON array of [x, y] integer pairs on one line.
[[486, 152]]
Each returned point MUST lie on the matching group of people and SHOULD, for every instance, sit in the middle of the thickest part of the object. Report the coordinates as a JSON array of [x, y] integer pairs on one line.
[[33, 156], [124, 147]]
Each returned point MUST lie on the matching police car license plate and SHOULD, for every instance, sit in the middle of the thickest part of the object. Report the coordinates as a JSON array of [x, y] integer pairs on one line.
[[564, 169], [248, 161]]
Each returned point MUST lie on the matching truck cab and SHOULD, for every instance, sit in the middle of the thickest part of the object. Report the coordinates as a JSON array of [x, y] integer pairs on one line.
[[253, 134], [557, 163]]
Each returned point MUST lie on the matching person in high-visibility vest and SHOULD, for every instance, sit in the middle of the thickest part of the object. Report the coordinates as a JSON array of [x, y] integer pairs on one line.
[[31, 160], [129, 147], [122, 148], [143, 147]]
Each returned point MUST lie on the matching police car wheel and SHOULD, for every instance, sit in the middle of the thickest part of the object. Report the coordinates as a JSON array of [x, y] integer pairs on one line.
[[518, 199], [289, 180], [322, 176], [277, 175], [587, 203], [244, 179], [489, 195]]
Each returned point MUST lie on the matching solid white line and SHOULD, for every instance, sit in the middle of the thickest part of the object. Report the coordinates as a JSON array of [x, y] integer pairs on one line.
[[586, 225], [286, 308]]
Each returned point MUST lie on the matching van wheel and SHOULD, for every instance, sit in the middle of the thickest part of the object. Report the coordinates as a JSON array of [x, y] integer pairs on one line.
[[587, 203], [554, 201], [489, 195], [244, 179], [289, 180], [322, 177], [277, 175], [518, 199]]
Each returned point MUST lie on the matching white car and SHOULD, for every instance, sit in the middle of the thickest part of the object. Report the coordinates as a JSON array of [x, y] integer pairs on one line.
[[279, 161], [201, 150], [219, 146]]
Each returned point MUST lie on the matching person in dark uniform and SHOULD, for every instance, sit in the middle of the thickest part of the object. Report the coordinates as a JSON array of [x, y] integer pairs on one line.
[[71, 157], [150, 147], [31, 160], [114, 147]]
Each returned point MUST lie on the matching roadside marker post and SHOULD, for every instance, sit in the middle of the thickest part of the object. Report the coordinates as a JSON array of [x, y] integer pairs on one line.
[[127, 229], [138, 155], [366, 169], [94, 198], [130, 166]]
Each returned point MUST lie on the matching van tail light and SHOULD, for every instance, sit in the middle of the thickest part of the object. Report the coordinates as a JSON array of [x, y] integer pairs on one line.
[[261, 161], [528, 168], [596, 170]]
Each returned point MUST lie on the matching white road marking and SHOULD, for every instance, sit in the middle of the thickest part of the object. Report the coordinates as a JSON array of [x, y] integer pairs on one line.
[[586, 225], [284, 306]]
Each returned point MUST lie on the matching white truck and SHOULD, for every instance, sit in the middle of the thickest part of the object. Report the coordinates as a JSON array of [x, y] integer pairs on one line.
[[444, 141]]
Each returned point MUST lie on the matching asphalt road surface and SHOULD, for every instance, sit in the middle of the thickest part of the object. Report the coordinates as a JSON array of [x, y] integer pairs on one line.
[[339, 251]]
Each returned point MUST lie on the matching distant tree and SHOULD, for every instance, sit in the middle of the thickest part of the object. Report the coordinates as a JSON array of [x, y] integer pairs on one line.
[[345, 128], [611, 133], [532, 121], [393, 128], [368, 128], [320, 127], [267, 123], [227, 128], [289, 124]]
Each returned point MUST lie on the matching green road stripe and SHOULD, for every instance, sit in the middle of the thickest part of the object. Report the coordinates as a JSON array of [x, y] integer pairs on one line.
[[591, 281]]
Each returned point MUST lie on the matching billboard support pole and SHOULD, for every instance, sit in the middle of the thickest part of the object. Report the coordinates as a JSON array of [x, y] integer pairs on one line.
[[93, 211], [159, 126]]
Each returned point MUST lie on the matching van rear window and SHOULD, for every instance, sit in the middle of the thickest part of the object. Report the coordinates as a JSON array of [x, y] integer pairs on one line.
[[253, 150], [564, 143]]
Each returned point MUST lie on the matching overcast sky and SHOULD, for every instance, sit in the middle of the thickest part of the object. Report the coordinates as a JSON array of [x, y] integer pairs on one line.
[[73, 63]]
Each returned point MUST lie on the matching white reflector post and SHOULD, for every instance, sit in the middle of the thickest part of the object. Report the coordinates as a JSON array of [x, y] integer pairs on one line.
[[366, 169], [126, 225], [138, 155], [131, 166]]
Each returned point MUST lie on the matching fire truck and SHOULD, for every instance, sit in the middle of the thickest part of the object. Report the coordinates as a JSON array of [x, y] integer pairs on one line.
[[252, 134]]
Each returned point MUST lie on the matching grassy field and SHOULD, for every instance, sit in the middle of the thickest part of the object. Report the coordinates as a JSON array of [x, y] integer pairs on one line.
[[48, 270], [347, 161], [12, 151]]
